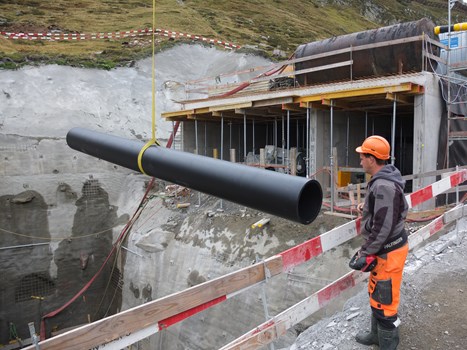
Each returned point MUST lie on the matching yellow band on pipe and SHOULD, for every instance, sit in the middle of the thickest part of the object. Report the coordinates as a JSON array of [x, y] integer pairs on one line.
[[141, 152]]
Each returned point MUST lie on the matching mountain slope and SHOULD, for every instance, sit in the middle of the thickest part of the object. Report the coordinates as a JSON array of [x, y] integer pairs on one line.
[[260, 24]]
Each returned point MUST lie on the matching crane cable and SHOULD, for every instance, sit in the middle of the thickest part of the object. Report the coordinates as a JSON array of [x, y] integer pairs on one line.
[[153, 140]]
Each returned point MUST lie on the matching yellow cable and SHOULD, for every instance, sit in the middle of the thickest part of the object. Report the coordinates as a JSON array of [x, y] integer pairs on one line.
[[153, 70], [153, 139]]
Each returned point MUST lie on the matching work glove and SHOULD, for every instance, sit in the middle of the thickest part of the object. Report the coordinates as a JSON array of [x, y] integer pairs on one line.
[[363, 263]]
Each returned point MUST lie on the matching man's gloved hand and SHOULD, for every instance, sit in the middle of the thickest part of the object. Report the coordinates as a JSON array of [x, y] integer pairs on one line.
[[363, 263]]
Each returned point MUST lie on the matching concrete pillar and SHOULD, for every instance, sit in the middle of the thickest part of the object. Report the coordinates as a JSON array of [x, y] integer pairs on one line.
[[427, 118]]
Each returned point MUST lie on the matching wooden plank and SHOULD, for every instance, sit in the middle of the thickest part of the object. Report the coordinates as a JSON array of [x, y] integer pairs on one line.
[[436, 43], [399, 98], [377, 90], [230, 107], [272, 102], [143, 316], [433, 57]]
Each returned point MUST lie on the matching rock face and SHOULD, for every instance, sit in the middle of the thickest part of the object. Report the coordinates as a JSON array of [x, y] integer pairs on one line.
[[62, 210]]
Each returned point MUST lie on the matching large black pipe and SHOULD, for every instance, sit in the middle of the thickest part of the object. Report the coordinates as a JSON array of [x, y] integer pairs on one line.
[[291, 197]]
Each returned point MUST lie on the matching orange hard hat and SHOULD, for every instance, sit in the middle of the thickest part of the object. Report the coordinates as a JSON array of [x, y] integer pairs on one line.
[[377, 146]]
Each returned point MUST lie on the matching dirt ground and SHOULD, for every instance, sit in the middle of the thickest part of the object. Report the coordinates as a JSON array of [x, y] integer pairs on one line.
[[436, 317], [433, 303]]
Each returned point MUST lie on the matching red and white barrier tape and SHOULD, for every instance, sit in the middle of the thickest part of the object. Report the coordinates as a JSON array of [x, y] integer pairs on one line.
[[114, 35], [436, 188], [305, 252], [278, 326]]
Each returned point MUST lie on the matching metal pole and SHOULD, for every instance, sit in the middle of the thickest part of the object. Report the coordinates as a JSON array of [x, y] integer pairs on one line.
[[332, 157], [307, 142], [197, 151], [275, 140], [267, 132], [244, 137], [297, 140], [288, 142], [347, 142], [401, 147], [283, 140], [196, 136], [253, 138], [222, 144], [366, 124], [182, 130], [448, 73], [205, 139], [230, 135], [222, 136], [173, 135], [393, 131]]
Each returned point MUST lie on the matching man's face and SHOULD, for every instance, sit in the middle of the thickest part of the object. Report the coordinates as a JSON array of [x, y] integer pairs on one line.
[[366, 163]]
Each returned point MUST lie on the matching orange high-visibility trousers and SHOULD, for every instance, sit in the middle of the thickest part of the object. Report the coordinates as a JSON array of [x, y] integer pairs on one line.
[[385, 281]]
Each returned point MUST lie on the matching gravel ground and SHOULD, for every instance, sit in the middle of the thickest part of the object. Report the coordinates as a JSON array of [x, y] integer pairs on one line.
[[433, 303]]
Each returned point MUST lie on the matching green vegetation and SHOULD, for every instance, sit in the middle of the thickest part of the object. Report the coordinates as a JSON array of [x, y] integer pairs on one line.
[[265, 25]]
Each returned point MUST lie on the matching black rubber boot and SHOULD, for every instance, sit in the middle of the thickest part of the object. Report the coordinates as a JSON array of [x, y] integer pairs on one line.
[[388, 338], [371, 337]]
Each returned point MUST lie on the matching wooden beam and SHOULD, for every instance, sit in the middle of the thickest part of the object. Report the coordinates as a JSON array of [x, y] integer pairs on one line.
[[149, 314], [253, 112], [231, 107], [293, 107], [272, 102], [177, 114], [226, 115], [337, 104], [379, 90], [399, 98]]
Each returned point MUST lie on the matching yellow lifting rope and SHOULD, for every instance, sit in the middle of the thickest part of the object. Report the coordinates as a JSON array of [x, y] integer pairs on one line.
[[153, 139]]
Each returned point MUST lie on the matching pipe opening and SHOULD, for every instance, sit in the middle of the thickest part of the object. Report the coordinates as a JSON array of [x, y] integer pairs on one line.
[[309, 203]]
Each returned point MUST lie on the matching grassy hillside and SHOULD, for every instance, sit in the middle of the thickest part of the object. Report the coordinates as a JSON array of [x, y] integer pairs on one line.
[[261, 24]]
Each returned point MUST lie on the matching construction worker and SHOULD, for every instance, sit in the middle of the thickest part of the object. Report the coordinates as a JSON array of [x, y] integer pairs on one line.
[[385, 248]]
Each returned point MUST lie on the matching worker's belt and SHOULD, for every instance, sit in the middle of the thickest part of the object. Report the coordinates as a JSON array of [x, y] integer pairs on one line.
[[395, 243]]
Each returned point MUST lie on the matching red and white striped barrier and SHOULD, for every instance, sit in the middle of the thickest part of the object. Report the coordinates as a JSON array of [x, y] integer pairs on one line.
[[114, 35], [288, 259], [278, 326], [436, 188]]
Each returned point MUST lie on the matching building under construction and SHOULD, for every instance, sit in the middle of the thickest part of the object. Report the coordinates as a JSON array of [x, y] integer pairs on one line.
[[308, 114]]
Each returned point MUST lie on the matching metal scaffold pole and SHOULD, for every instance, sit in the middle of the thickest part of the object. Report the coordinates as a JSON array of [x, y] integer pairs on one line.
[[393, 130], [307, 143], [332, 157]]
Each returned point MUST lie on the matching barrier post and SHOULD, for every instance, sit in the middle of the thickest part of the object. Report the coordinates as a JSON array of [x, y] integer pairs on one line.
[[264, 298]]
